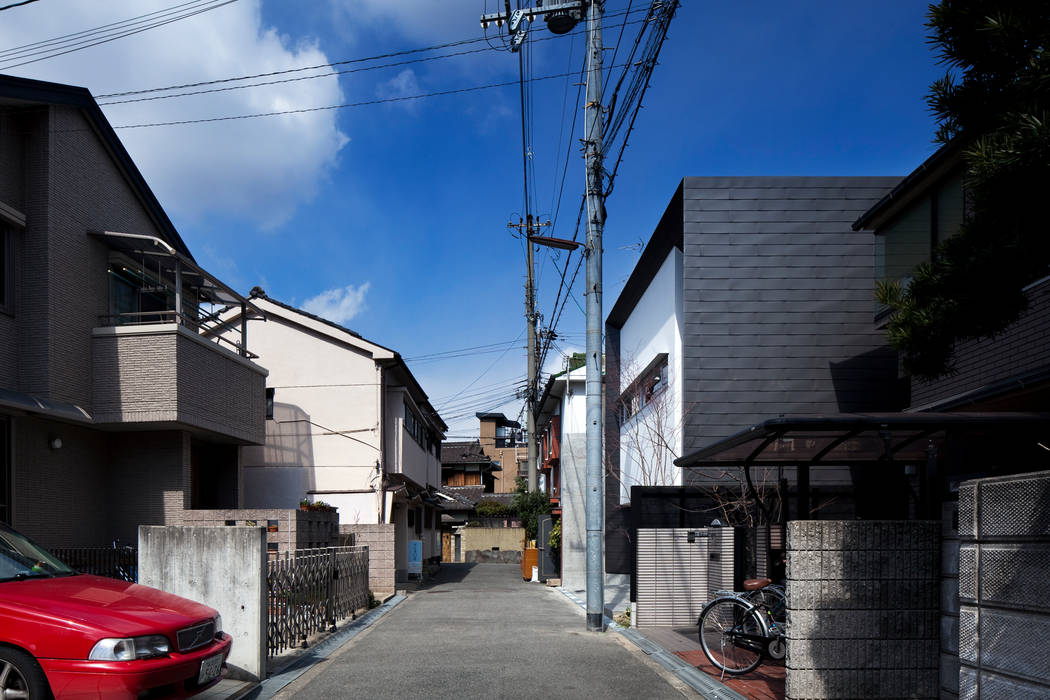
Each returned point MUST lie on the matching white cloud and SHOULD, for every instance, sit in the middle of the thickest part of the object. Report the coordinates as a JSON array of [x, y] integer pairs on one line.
[[339, 305], [404, 84], [259, 170]]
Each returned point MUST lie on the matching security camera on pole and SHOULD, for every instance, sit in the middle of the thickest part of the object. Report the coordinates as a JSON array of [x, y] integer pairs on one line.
[[560, 19]]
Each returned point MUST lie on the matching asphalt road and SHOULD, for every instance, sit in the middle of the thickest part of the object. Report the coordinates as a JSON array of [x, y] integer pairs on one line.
[[478, 631]]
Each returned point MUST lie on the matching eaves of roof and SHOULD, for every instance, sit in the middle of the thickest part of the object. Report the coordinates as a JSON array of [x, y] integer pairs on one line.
[[667, 236], [943, 160], [38, 91]]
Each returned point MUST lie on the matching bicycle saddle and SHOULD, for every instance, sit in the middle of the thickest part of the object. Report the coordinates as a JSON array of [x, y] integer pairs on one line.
[[753, 584]]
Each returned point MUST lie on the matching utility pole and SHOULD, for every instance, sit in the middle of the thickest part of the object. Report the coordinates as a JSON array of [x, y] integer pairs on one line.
[[560, 18], [593, 249], [530, 399]]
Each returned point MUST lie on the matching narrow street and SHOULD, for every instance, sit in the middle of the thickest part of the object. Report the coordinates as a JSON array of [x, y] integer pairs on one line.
[[478, 631]]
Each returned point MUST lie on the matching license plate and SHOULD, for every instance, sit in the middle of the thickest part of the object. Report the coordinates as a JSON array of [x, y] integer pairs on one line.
[[210, 669]]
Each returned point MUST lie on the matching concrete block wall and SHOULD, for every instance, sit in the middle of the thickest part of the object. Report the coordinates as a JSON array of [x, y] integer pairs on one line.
[[863, 609], [1004, 588], [286, 530], [222, 567], [380, 542]]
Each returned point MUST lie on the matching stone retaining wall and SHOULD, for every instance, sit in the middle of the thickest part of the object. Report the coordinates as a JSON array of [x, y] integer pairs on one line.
[[863, 609]]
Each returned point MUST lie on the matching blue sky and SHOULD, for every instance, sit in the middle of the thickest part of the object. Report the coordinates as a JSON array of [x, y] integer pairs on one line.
[[391, 218]]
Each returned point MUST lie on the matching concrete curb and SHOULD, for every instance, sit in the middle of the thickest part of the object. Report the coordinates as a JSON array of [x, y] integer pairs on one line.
[[275, 683], [699, 681]]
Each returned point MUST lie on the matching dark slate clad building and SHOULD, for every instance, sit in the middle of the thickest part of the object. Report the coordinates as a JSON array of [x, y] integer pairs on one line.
[[752, 299]]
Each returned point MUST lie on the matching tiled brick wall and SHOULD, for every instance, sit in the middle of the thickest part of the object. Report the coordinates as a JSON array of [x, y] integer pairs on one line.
[[159, 374], [292, 529], [1021, 349], [863, 609], [380, 542]]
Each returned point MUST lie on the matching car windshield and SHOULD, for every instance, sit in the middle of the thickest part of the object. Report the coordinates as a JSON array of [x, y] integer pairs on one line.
[[21, 558]]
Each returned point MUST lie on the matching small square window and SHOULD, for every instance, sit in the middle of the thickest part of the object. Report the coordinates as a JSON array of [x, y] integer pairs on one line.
[[269, 404]]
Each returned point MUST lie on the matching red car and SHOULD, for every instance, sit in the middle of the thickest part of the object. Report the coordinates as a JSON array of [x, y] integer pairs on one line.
[[79, 636]]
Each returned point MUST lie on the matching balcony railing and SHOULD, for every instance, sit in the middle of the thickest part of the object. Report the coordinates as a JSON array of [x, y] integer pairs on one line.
[[209, 326]]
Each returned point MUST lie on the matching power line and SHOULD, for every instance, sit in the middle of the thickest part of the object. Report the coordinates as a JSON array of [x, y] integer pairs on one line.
[[63, 37], [120, 34], [351, 61], [16, 4], [405, 98]]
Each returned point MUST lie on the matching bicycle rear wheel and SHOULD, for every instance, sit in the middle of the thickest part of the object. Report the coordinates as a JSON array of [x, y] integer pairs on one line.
[[732, 635], [772, 598]]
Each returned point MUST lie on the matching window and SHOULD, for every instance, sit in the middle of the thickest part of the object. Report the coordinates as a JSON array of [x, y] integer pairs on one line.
[[505, 436], [414, 426], [650, 383], [269, 404], [910, 238]]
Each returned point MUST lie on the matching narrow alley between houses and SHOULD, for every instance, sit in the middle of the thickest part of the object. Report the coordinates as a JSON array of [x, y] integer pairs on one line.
[[476, 630]]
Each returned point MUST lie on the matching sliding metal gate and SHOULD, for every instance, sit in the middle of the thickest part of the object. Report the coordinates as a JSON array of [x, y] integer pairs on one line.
[[679, 570]]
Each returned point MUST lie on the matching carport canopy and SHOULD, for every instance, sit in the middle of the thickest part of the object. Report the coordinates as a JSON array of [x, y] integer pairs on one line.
[[856, 439]]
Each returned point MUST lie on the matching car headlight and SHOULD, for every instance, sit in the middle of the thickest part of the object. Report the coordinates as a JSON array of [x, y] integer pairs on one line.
[[130, 648], [218, 624]]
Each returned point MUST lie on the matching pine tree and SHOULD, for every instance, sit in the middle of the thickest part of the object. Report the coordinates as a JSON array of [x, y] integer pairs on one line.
[[994, 105]]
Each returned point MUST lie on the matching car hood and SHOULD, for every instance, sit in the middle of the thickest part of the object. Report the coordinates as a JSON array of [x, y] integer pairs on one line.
[[112, 607]]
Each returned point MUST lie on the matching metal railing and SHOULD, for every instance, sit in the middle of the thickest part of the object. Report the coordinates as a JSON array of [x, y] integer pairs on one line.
[[112, 562], [209, 325], [310, 589]]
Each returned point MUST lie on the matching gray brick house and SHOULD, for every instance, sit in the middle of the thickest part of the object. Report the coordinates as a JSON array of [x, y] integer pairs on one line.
[[115, 408]]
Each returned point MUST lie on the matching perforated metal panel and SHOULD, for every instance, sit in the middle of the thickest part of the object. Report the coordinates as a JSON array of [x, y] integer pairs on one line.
[[1004, 623], [1015, 508]]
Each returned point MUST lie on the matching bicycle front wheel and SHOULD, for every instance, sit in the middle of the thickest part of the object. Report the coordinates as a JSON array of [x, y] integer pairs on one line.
[[732, 635]]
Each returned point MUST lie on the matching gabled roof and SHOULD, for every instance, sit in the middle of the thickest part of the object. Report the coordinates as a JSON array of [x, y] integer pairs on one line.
[[465, 453], [23, 91], [383, 356]]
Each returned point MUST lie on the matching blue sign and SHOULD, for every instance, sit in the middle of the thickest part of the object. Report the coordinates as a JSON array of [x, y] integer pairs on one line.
[[415, 557]]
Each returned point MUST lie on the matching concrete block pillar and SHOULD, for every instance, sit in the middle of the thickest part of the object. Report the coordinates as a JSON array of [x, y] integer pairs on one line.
[[863, 609]]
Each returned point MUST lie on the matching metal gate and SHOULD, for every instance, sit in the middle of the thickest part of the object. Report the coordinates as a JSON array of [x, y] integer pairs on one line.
[[679, 570]]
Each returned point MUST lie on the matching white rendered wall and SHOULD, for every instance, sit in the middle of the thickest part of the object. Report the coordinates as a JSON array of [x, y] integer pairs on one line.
[[654, 327], [325, 432], [573, 464]]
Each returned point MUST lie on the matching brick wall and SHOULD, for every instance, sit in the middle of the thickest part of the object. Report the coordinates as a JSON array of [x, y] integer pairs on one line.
[[287, 530], [1004, 591], [1019, 350], [380, 542], [863, 609]]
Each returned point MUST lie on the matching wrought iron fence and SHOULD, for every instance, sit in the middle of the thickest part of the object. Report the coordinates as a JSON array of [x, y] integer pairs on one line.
[[309, 589], [112, 562]]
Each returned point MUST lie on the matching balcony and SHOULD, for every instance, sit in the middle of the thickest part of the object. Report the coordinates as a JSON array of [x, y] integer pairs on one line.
[[163, 356]]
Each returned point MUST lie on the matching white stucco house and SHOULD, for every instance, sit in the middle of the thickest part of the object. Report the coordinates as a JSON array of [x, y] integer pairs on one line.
[[346, 424]]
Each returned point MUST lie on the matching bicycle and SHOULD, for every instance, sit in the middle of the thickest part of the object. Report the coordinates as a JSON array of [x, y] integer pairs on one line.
[[737, 631]]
